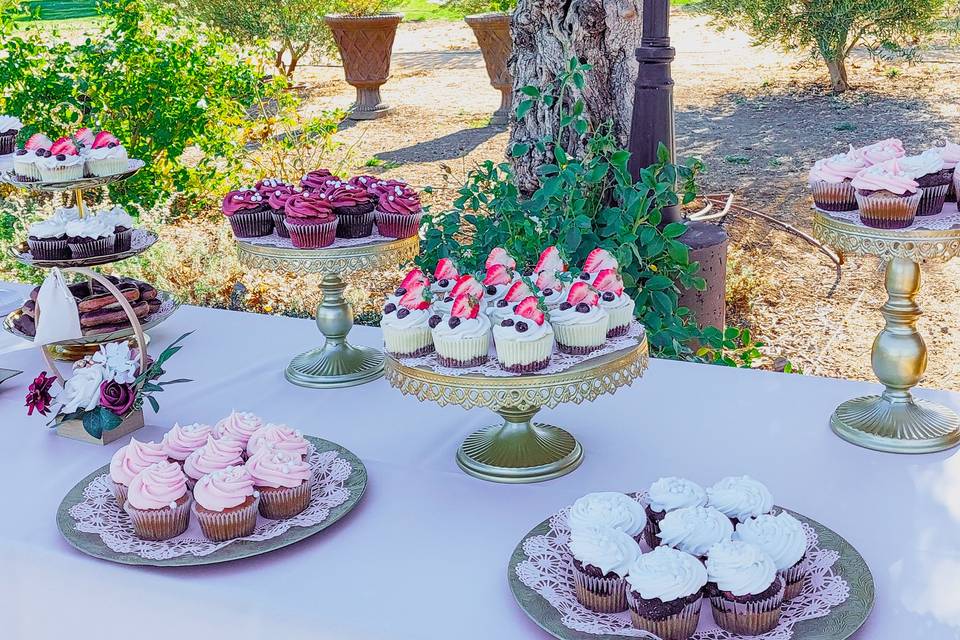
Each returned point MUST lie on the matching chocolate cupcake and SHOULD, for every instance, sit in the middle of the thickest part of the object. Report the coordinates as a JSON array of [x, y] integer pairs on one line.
[[694, 530], [830, 178], [9, 128], [90, 237], [48, 239], [600, 559], [666, 495], [739, 498], [122, 226], [277, 199], [310, 220], [665, 590], [353, 207], [950, 153], [746, 594], [887, 196], [782, 538], [608, 509], [248, 213], [398, 209], [933, 178], [318, 180]]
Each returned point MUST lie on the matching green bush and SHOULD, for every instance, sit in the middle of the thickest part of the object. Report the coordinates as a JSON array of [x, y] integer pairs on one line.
[[469, 7], [364, 7]]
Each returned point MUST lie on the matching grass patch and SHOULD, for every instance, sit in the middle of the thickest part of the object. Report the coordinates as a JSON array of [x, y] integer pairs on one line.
[[386, 165], [65, 9], [422, 10], [845, 126], [737, 159]]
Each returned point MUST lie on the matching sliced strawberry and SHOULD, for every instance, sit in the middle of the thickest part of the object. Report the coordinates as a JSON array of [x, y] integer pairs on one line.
[[609, 280], [583, 292], [446, 270], [530, 308], [85, 136], [64, 146], [499, 255], [549, 280], [598, 260], [518, 292], [416, 297], [413, 277], [103, 139], [551, 261], [465, 306], [38, 141], [498, 274], [468, 285]]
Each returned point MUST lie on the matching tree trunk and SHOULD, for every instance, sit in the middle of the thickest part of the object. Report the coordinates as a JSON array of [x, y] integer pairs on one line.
[[838, 74], [546, 35]]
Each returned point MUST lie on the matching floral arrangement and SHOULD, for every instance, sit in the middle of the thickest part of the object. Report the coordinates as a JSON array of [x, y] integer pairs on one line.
[[104, 389]]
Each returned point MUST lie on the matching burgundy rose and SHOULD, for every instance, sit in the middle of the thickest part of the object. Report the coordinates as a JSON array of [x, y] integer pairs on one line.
[[38, 396], [117, 397]]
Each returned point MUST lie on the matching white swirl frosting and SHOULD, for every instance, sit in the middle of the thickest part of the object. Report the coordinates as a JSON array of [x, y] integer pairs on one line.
[[950, 153], [51, 162], [49, 228], [609, 550], [669, 494], [930, 161], [740, 497], [416, 318], [468, 327], [694, 529], [608, 509], [117, 216], [10, 123], [618, 302], [107, 153], [572, 316], [556, 297], [781, 537], [666, 574], [740, 568], [533, 333], [92, 227], [441, 306]]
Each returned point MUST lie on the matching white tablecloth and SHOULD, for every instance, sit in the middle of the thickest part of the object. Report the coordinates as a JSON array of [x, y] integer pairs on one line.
[[424, 555]]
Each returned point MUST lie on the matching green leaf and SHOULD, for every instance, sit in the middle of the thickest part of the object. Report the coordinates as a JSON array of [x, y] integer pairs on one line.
[[519, 150], [674, 230], [658, 283], [99, 420], [531, 91], [154, 404], [524, 108]]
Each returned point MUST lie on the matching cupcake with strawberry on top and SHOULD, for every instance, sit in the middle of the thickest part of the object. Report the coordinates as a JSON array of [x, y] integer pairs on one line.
[[524, 339], [353, 207], [310, 220], [504, 307], [248, 213], [463, 338], [398, 209], [63, 164], [618, 304], [318, 180], [497, 283], [413, 278], [25, 160], [84, 139], [552, 288], [887, 195], [580, 323], [933, 178], [445, 276], [499, 255], [550, 261], [106, 156], [406, 323], [830, 178], [465, 285]]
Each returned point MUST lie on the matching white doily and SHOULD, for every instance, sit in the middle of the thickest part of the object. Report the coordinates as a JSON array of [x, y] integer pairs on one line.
[[948, 219], [547, 571], [559, 362], [273, 240], [100, 514]]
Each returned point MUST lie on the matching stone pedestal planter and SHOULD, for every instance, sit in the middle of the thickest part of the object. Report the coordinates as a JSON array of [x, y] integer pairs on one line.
[[365, 44], [493, 34]]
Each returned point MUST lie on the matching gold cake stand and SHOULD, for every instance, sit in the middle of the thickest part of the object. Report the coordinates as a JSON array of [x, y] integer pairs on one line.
[[337, 363], [895, 421], [520, 450]]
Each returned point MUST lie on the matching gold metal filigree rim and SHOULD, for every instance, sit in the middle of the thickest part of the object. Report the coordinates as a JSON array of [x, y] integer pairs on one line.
[[332, 260], [915, 244]]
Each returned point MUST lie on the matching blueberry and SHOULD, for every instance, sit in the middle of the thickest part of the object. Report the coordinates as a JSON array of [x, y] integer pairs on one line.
[[584, 276], [454, 322], [528, 272], [448, 299], [444, 283], [608, 296], [507, 323], [400, 291], [434, 321], [403, 313], [111, 145], [390, 308], [522, 326], [21, 152], [564, 306], [502, 303], [61, 157], [583, 307], [491, 290], [548, 292]]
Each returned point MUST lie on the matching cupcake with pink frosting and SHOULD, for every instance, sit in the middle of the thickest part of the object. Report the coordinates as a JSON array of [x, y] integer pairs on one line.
[[216, 454], [181, 441], [932, 177], [248, 213], [280, 437], [158, 502], [353, 207], [887, 196], [950, 153], [283, 480], [398, 211], [310, 221], [880, 152], [225, 504], [830, 181], [239, 425], [130, 460], [277, 193], [318, 180]]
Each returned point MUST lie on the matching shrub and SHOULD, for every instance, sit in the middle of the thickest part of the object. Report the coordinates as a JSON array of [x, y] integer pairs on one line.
[[829, 28], [469, 7], [360, 8]]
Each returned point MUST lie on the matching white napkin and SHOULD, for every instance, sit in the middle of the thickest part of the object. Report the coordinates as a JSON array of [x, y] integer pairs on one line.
[[58, 318]]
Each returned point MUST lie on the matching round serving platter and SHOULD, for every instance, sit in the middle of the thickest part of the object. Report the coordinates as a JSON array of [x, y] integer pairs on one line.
[[92, 182], [91, 543], [142, 240], [840, 623]]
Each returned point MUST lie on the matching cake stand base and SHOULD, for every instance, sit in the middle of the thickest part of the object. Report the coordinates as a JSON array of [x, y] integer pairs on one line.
[[519, 451], [335, 365], [897, 425]]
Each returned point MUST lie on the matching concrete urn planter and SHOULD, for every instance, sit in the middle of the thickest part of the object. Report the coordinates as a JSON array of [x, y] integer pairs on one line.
[[493, 35], [366, 44]]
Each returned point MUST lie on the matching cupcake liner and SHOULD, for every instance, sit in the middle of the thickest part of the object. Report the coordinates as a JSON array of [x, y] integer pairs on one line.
[[107, 166], [834, 196], [581, 338], [221, 526], [794, 577], [932, 199], [462, 364], [123, 241], [284, 502], [251, 224], [280, 223], [888, 212], [530, 355], [603, 595], [651, 530], [398, 225], [160, 524], [26, 171], [91, 248], [679, 626], [119, 492], [48, 249], [7, 140], [408, 343], [355, 225], [462, 352], [61, 173], [748, 618], [313, 236], [620, 319], [952, 187]]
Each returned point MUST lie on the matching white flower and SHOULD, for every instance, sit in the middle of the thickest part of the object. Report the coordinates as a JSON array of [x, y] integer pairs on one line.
[[118, 361], [82, 390], [202, 103]]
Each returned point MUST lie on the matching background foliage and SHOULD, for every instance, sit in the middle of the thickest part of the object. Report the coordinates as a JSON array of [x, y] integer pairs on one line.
[[481, 6]]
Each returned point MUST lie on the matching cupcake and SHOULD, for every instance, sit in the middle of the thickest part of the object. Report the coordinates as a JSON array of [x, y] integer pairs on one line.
[[782, 538], [280, 437], [25, 160], [933, 178], [9, 128], [84, 138], [664, 593], [122, 227], [666, 495], [398, 210], [746, 594], [830, 178], [283, 480], [600, 558], [248, 213], [413, 278], [499, 255], [239, 425], [406, 323], [524, 340], [550, 261], [463, 339], [580, 323], [618, 304], [552, 288], [269, 185], [91, 236], [739, 498], [880, 152], [106, 156], [497, 283], [465, 285], [128, 461], [181, 441], [366, 183], [310, 221], [444, 277], [158, 502], [608, 509], [887, 196], [694, 530], [277, 199], [318, 180], [48, 239], [505, 307], [63, 164], [353, 207], [598, 260], [216, 454], [950, 153], [226, 504]]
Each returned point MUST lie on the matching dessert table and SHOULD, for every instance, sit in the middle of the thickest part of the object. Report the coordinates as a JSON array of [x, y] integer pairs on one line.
[[425, 553]]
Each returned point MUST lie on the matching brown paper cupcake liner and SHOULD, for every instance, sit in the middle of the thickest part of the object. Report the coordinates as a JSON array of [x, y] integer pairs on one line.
[[47, 249], [794, 577], [251, 224], [651, 532], [221, 526], [883, 212], [355, 225], [932, 199], [834, 196], [119, 492], [603, 595], [91, 248], [123, 241], [284, 502], [616, 332], [280, 224], [160, 524], [528, 368], [679, 626], [952, 190], [748, 618], [312, 236], [398, 225], [7, 142]]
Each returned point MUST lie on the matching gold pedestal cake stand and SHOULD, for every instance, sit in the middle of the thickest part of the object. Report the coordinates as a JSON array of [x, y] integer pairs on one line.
[[337, 363], [520, 450], [895, 421]]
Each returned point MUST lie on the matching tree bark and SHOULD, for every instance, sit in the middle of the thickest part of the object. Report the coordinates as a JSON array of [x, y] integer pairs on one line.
[[546, 35], [838, 75]]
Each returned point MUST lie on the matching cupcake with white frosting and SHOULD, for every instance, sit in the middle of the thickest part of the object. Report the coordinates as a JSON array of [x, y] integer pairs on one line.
[[406, 323], [608, 509], [445, 276], [9, 128], [746, 594], [933, 178], [106, 156], [524, 339], [466, 284], [694, 530], [580, 323], [617, 303], [553, 289], [601, 558], [89, 237], [740, 497], [122, 226], [505, 308], [25, 159], [666, 495], [462, 339], [950, 152], [782, 538], [497, 283], [665, 592], [63, 164], [47, 239]]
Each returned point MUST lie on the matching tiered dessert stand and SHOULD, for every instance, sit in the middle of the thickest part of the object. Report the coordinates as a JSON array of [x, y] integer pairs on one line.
[[337, 363], [895, 421], [520, 450]]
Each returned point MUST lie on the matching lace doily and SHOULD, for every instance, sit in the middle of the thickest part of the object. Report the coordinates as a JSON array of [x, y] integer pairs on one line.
[[547, 571], [273, 240], [99, 513], [559, 362], [948, 219]]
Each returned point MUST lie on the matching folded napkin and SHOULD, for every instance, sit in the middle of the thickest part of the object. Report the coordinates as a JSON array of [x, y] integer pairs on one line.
[[58, 318]]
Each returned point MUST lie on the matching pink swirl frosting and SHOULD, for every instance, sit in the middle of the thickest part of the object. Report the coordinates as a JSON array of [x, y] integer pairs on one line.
[[363, 182], [888, 176], [278, 436], [158, 486], [133, 458], [341, 194], [309, 208], [242, 200], [950, 153], [218, 453], [835, 169], [239, 425], [277, 199], [318, 179], [881, 151], [273, 468], [398, 197], [181, 441], [224, 489]]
